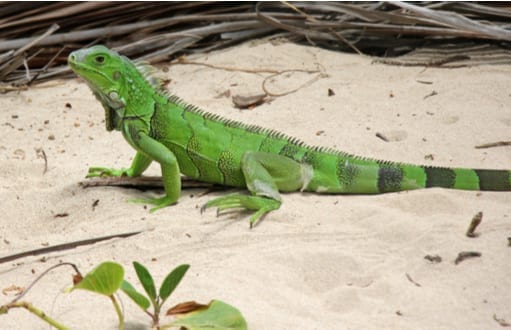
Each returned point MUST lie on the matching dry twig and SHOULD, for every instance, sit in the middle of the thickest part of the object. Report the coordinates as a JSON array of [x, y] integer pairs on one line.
[[466, 255], [140, 182], [65, 246], [494, 144]]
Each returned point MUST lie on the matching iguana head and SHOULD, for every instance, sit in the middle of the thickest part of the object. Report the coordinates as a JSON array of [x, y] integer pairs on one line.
[[110, 76], [100, 66]]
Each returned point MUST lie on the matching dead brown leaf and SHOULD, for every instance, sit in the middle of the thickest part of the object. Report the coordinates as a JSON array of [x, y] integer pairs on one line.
[[185, 307]]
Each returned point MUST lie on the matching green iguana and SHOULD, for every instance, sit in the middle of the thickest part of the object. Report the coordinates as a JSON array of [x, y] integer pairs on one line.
[[184, 139]]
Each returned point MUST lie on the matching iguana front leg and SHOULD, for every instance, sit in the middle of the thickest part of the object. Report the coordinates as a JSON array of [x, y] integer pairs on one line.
[[265, 175], [169, 169], [148, 149]]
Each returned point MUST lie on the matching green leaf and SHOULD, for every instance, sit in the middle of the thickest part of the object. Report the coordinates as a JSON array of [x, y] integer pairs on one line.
[[137, 297], [105, 279], [171, 281], [146, 279], [218, 315]]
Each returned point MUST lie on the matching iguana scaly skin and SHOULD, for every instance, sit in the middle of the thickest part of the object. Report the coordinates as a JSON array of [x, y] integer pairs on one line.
[[184, 139]]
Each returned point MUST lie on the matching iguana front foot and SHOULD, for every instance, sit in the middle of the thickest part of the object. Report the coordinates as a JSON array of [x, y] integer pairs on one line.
[[158, 202], [105, 171], [261, 205]]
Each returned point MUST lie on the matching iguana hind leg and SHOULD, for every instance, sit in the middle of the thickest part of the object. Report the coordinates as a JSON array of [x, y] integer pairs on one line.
[[265, 175]]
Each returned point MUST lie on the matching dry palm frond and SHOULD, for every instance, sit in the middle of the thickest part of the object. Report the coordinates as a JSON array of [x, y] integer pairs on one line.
[[35, 38]]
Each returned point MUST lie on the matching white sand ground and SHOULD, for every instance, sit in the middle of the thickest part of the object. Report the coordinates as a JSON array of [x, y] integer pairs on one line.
[[320, 262]]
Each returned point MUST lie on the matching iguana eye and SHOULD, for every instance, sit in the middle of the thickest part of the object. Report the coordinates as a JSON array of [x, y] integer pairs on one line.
[[100, 59]]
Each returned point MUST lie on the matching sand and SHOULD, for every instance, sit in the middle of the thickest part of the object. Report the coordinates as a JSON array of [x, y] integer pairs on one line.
[[320, 262]]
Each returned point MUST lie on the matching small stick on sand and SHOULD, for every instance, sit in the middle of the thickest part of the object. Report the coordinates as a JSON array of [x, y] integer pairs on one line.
[[476, 220]]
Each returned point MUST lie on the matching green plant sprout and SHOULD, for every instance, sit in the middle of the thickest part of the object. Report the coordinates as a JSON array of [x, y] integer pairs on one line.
[[167, 287], [216, 315], [108, 277]]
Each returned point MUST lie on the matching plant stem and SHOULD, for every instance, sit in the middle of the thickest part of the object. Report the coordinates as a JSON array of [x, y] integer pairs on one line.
[[36, 311], [157, 308], [119, 312]]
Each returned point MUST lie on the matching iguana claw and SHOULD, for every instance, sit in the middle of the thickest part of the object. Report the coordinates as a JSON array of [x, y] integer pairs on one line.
[[158, 202]]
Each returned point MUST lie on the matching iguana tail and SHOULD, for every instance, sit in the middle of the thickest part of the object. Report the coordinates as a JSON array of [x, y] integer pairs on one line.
[[467, 179], [365, 176]]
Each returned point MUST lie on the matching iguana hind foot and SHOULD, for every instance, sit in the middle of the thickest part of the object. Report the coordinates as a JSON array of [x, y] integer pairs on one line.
[[261, 205]]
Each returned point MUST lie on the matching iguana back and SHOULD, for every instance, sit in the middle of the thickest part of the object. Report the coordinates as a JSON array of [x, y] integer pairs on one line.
[[209, 148]]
